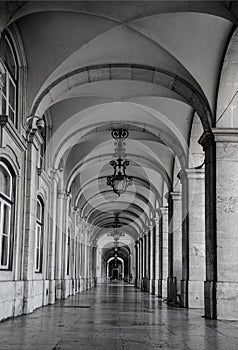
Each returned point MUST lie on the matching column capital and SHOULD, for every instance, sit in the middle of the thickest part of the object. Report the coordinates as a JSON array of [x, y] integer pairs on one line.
[[167, 196], [54, 174], [225, 134], [218, 135], [195, 173], [157, 219], [182, 175], [176, 196], [164, 210], [206, 138], [62, 195]]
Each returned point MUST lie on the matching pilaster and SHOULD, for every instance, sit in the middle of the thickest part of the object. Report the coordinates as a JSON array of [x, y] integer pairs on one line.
[[165, 271], [31, 186], [151, 259], [141, 261], [158, 255], [177, 238], [193, 182], [61, 198], [221, 198]]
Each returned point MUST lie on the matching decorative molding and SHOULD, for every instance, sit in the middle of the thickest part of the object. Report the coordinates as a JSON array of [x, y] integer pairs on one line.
[[164, 210], [225, 134], [176, 196], [194, 173]]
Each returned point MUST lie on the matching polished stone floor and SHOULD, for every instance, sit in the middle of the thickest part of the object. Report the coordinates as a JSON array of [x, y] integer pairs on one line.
[[116, 316]]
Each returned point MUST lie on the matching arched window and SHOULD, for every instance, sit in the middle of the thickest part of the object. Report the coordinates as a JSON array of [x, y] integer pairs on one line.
[[9, 70], [6, 215], [39, 235]]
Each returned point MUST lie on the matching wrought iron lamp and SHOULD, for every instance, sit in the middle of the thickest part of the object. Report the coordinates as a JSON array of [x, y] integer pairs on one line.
[[116, 234], [119, 181]]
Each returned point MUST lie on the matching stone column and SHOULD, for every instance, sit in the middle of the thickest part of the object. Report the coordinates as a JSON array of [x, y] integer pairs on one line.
[[77, 262], [81, 264], [152, 259], [136, 262], [148, 253], [145, 257], [95, 264], [86, 265], [170, 235], [194, 250], [185, 239], [65, 247], [141, 262], [98, 265], [221, 193], [171, 281], [177, 238], [138, 250], [158, 257], [209, 146], [59, 242], [33, 146], [74, 250], [165, 271]]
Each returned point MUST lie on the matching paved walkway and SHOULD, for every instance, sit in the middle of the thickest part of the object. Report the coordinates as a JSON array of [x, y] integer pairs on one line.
[[115, 317]]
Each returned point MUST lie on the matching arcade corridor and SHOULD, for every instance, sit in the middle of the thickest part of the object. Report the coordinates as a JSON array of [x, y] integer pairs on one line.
[[118, 175], [116, 316]]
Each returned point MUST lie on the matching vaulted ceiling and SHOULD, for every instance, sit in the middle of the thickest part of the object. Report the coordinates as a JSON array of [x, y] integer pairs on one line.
[[147, 67]]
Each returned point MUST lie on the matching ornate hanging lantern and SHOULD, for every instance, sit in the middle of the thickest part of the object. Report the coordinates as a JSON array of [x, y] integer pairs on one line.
[[119, 181]]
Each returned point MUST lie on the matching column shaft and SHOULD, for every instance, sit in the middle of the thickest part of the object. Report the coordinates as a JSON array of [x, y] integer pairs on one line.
[[207, 140], [165, 255], [152, 260], [194, 275]]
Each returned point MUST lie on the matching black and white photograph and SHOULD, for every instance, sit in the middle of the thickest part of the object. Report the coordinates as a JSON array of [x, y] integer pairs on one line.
[[119, 175]]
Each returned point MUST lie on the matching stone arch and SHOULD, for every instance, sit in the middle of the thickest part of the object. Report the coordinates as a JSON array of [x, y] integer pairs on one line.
[[135, 72], [227, 99]]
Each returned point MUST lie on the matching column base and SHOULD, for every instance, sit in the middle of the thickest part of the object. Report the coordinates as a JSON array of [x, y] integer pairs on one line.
[[156, 287], [164, 289], [138, 283], [227, 300], [195, 294], [28, 297], [210, 299], [46, 292], [51, 292], [145, 284], [151, 286], [192, 294], [184, 294], [58, 289], [160, 288], [172, 288]]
